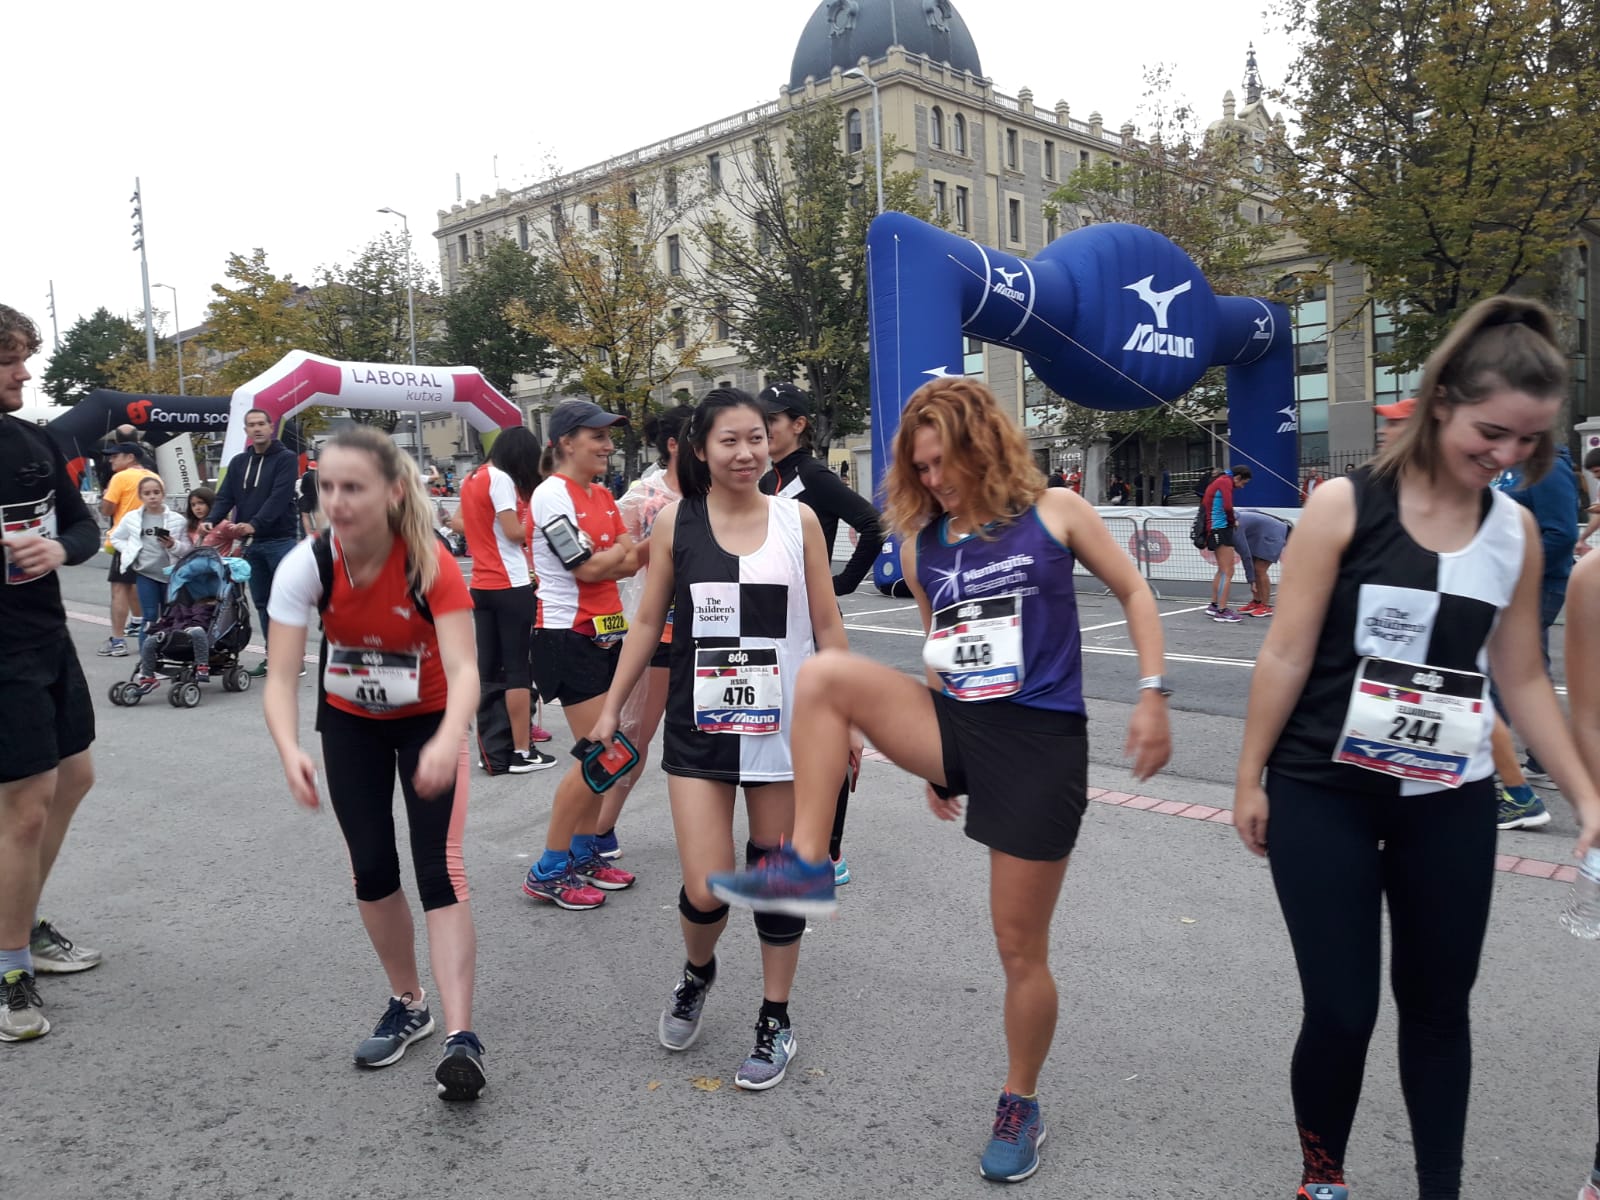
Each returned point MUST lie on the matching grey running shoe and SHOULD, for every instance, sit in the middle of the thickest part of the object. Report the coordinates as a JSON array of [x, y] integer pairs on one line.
[[113, 647], [460, 1073], [55, 955], [396, 1029], [21, 1017], [775, 1049], [680, 1020]]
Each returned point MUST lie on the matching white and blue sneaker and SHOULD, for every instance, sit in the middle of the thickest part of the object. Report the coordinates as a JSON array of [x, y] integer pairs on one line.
[[775, 1050], [1013, 1151], [460, 1072], [399, 1026], [781, 881]]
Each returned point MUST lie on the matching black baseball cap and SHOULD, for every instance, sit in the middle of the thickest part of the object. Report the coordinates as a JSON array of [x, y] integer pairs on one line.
[[786, 397], [123, 448], [580, 414]]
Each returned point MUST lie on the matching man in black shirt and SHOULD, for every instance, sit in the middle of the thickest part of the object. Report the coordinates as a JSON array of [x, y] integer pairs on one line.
[[46, 717]]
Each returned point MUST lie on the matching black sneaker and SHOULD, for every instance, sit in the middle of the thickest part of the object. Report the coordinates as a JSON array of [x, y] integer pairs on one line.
[[399, 1026], [1533, 772], [525, 761], [460, 1073]]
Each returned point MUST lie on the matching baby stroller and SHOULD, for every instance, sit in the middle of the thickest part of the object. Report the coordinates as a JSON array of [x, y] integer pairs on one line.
[[206, 590]]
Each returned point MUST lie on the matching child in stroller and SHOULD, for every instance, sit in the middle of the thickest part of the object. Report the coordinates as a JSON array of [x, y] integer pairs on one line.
[[203, 626]]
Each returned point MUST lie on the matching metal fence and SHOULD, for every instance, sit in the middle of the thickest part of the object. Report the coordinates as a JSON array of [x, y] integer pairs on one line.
[[1160, 544]]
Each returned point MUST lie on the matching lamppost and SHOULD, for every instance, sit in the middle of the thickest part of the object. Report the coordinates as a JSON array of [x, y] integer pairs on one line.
[[411, 325], [877, 126], [178, 336]]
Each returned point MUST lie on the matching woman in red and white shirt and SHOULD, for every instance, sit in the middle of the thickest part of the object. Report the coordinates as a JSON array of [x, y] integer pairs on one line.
[[579, 631], [400, 685]]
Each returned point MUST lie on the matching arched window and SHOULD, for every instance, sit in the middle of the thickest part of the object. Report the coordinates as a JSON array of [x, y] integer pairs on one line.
[[852, 131], [936, 128], [958, 134]]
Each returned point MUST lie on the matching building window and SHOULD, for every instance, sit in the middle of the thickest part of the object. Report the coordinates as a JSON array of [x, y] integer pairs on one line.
[[722, 322], [674, 255], [669, 182], [1050, 229], [1388, 384], [522, 232], [852, 131], [1040, 405], [961, 209], [971, 356], [594, 215], [461, 245], [1014, 220], [558, 221], [714, 171], [958, 134], [633, 199], [938, 200], [1011, 149], [680, 336], [936, 128], [477, 244], [1049, 159], [1310, 320], [1083, 158]]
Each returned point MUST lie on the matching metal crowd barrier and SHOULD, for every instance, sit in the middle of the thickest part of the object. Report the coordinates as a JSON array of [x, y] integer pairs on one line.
[[1160, 544]]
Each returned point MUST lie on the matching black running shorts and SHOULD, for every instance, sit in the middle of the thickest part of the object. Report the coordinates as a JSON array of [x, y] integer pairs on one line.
[[1218, 538], [46, 714], [1024, 772], [569, 667], [115, 575]]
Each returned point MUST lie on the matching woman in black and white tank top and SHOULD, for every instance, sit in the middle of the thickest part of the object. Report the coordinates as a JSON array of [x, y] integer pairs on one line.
[[1404, 585]]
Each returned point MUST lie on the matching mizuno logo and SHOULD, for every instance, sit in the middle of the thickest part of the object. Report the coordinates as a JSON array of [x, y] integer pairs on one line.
[[1008, 288], [1159, 302], [1262, 332], [1145, 340], [1010, 277], [1292, 424], [403, 613]]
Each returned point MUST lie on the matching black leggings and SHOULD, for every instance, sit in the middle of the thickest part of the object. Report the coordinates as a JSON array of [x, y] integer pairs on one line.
[[502, 619], [360, 756], [1335, 856]]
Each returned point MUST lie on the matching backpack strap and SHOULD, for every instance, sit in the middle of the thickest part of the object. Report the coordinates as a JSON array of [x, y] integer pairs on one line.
[[322, 552]]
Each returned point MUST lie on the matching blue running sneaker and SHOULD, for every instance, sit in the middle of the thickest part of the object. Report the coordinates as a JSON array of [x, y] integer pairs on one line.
[[775, 1050], [460, 1073], [1322, 1191], [605, 845], [1013, 1152], [1521, 809], [399, 1026], [841, 872], [781, 882]]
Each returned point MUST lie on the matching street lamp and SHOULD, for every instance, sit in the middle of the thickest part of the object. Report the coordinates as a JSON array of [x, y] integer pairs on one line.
[[178, 336], [877, 126], [411, 325]]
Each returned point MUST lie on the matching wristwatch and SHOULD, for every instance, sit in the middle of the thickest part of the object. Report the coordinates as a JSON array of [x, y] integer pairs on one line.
[[1156, 682]]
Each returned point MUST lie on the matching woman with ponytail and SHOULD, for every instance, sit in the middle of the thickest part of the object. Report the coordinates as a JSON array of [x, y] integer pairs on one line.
[[399, 684]]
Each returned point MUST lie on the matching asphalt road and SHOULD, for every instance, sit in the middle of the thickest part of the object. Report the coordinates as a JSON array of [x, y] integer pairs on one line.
[[210, 1055]]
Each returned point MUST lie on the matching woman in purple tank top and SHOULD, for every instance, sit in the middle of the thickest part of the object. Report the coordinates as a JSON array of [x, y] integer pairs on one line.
[[988, 553]]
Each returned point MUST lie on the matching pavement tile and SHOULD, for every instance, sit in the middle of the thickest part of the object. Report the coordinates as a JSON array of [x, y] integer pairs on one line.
[[1140, 802]]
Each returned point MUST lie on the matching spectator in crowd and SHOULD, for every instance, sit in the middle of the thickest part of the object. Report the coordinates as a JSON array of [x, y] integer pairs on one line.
[[144, 542], [307, 501], [121, 497], [1260, 542]]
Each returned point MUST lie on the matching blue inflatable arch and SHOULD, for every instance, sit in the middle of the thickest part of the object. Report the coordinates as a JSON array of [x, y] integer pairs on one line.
[[1113, 317]]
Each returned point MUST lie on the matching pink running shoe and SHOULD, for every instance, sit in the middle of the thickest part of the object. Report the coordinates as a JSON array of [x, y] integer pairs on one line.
[[538, 733], [604, 875]]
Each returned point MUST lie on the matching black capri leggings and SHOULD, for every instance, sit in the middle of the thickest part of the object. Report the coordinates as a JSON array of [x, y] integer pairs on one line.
[[502, 619], [361, 756], [1335, 856]]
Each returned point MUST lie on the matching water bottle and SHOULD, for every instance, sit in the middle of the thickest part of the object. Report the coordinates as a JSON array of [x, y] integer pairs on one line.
[[1582, 918]]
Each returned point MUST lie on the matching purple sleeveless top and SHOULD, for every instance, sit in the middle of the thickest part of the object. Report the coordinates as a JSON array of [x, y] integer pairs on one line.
[[1023, 560]]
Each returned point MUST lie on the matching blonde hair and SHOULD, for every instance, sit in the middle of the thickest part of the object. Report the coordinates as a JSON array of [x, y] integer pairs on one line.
[[984, 451], [1501, 342], [412, 519], [155, 479]]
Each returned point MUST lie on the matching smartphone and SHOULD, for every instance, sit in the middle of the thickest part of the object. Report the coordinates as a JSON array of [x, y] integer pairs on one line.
[[603, 765], [561, 535]]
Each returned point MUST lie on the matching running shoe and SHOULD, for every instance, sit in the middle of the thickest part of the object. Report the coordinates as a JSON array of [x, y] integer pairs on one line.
[[399, 1026], [1590, 1190], [605, 845], [680, 1019], [1516, 812], [55, 955], [113, 647], [1247, 610], [1322, 1191], [460, 1073], [600, 873], [1261, 610], [525, 761], [765, 1068], [259, 671], [1227, 616], [1533, 772], [538, 733], [841, 872], [21, 1016], [132, 627], [565, 890], [202, 673], [1212, 610], [781, 882], [1013, 1151], [145, 684]]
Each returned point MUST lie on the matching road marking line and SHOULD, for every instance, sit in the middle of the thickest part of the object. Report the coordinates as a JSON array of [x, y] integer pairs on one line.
[[1124, 621], [874, 612]]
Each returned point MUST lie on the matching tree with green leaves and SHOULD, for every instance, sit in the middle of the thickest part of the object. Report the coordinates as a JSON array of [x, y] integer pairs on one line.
[[478, 330], [256, 321], [82, 362], [624, 329], [1448, 149], [784, 261]]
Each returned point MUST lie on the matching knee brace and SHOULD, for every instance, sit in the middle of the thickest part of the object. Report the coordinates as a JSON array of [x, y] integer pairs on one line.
[[699, 916], [774, 929]]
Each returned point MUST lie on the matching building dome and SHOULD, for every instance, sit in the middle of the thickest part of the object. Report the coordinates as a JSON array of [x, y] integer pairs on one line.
[[841, 32]]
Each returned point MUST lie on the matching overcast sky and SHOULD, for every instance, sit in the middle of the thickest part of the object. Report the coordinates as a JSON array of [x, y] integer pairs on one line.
[[286, 126]]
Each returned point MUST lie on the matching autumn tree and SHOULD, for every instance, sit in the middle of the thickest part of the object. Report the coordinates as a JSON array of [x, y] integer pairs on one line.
[[81, 363], [478, 329], [625, 328], [1449, 149], [256, 318], [783, 261]]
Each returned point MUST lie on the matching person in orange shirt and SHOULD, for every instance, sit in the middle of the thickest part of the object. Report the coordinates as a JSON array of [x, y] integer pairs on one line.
[[399, 685]]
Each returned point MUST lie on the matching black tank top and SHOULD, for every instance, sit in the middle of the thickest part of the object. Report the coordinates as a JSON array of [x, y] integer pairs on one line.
[[1395, 599]]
